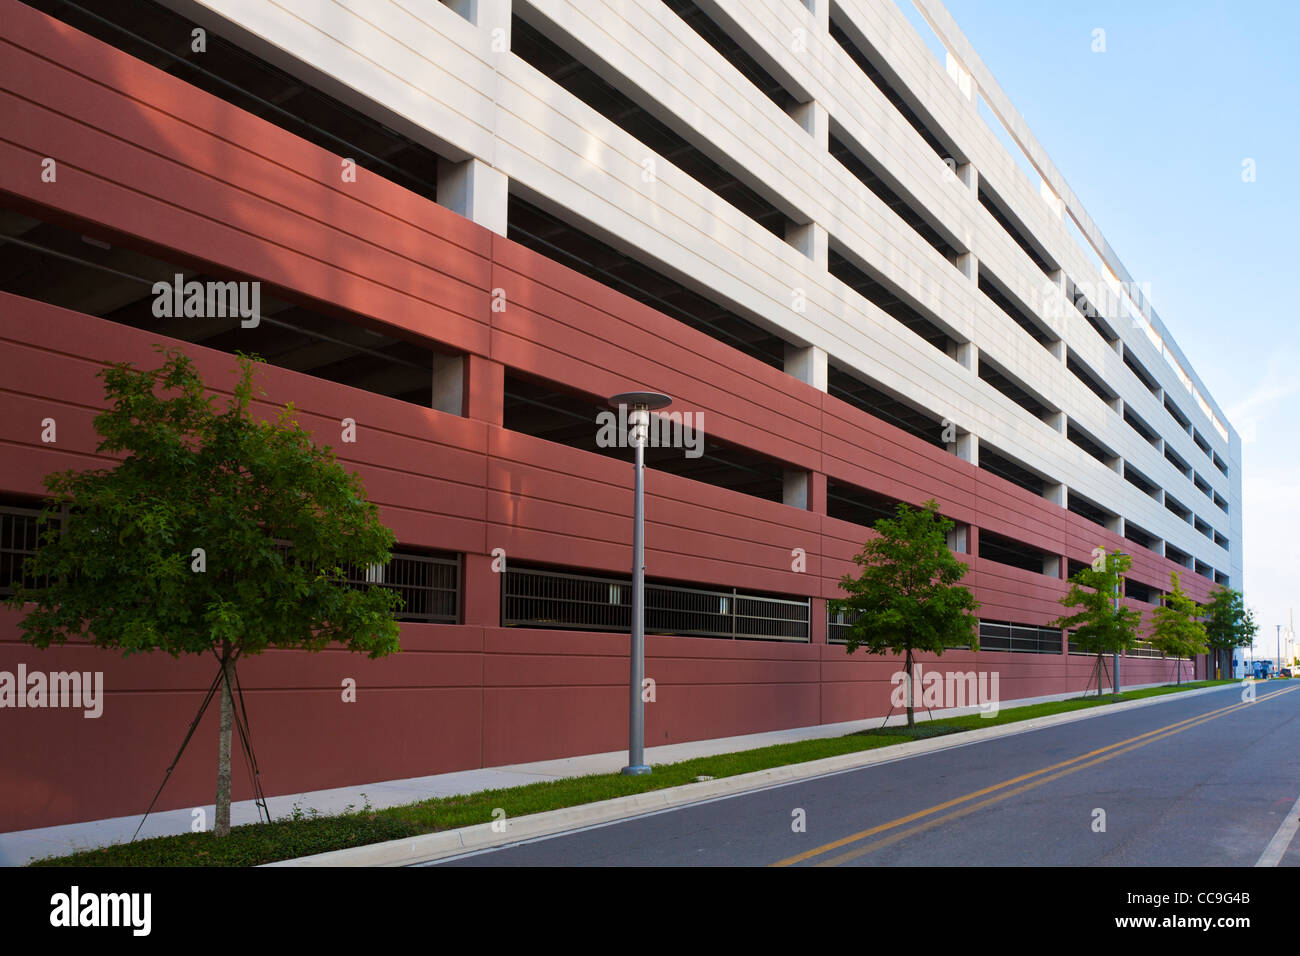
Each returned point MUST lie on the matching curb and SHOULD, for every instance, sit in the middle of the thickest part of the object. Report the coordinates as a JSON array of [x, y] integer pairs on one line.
[[430, 847]]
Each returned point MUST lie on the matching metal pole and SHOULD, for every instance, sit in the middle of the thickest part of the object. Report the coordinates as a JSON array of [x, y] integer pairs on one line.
[[636, 717], [1279, 647], [642, 403], [1115, 662]]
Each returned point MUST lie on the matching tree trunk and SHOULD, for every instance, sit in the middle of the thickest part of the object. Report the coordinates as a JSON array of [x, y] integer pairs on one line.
[[911, 712], [221, 826]]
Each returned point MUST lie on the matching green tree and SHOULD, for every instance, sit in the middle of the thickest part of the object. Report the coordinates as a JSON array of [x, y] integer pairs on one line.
[[1175, 629], [907, 598], [1229, 624], [1102, 625], [216, 533]]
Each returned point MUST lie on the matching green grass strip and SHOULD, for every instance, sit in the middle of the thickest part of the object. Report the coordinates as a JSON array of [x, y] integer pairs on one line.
[[307, 832]]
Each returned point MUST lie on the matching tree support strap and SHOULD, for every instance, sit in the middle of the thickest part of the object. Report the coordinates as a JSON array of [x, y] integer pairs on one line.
[[245, 739]]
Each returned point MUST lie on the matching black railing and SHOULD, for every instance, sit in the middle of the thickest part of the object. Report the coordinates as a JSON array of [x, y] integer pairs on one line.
[[536, 597], [1019, 638], [839, 622], [428, 585], [19, 538], [1144, 649]]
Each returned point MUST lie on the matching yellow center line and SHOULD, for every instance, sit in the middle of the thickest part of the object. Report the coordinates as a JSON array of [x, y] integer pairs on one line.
[[1077, 763], [964, 811]]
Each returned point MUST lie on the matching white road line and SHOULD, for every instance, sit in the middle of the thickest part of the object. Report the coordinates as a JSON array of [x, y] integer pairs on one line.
[[1277, 846]]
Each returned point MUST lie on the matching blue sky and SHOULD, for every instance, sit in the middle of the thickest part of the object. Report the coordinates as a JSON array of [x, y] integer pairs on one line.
[[1151, 135]]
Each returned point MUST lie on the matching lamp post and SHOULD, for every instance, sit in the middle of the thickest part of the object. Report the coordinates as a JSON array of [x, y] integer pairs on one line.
[[1115, 660], [641, 403]]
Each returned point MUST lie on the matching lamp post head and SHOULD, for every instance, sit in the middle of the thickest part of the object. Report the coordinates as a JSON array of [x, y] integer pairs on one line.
[[642, 404], [650, 401]]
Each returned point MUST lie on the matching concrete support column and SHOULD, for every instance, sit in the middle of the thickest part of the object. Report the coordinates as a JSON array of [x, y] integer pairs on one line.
[[966, 447], [1057, 349], [1055, 492], [1055, 301], [795, 486], [969, 266], [464, 7], [959, 538], [1052, 565], [969, 176], [821, 11], [1116, 524], [817, 492], [1053, 201], [487, 15], [817, 621], [967, 355], [972, 540], [810, 239], [814, 119], [449, 383], [965, 82], [1057, 420], [807, 364], [476, 191], [481, 590], [485, 390]]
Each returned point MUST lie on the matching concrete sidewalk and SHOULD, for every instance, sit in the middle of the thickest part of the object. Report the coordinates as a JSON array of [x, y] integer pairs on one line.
[[20, 846]]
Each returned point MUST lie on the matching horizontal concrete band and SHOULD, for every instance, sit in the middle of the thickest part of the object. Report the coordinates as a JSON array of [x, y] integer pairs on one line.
[[449, 843]]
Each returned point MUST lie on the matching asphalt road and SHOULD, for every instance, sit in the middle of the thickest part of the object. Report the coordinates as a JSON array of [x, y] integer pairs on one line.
[[1203, 781]]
